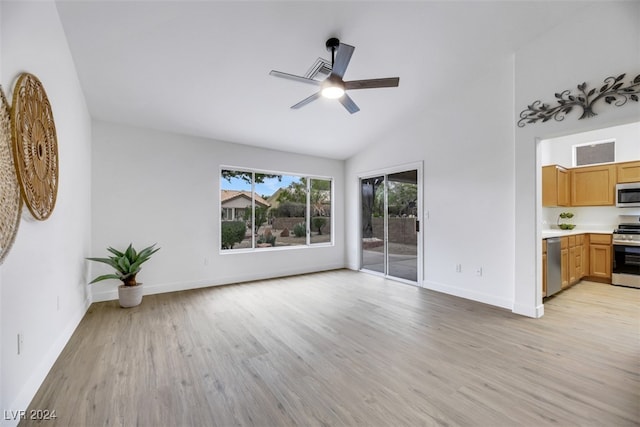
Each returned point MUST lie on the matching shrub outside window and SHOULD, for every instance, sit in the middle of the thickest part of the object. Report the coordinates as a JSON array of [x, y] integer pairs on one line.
[[264, 210]]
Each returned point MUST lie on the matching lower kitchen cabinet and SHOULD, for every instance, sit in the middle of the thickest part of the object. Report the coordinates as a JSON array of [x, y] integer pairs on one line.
[[564, 261], [579, 259], [572, 271], [600, 257]]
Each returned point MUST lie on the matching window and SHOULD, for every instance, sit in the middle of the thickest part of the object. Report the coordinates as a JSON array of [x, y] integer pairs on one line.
[[263, 210], [594, 153]]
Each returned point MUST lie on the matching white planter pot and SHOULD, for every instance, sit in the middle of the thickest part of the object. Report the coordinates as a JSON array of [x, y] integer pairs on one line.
[[130, 296]]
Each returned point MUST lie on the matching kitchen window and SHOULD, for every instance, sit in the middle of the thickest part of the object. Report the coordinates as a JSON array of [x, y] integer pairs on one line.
[[263, 210], [594, 153]]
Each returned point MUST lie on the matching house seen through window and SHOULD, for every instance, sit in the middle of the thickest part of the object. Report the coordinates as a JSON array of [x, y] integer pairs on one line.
[[262, 210]]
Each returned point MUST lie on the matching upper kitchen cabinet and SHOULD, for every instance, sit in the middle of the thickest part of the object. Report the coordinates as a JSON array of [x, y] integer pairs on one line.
[[628, 172], [556, 188], [593, 185]]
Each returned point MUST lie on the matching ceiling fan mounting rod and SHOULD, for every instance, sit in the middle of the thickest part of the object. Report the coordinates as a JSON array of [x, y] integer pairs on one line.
[[332, 44]]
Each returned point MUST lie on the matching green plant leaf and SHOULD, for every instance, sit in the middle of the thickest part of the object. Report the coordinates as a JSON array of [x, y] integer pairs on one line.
[[109, 261], [105, 277], [129, 253], [124, 265], [115, 252]]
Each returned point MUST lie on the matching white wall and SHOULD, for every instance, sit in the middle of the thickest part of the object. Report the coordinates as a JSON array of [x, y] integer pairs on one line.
[[590, 218], [559, 151], [481, 186], [467, 150], [602, 40], [151, 186], [44, 292]]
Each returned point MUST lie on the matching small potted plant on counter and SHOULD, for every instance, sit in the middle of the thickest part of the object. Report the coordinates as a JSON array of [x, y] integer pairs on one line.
[[126, 265], [563, 225]]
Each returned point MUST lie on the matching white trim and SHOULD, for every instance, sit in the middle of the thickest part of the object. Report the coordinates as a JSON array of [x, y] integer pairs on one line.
[[38, 375], [536, 313], [253, 172], [418, 166], [161, 288], [470, 295], [532, 311]]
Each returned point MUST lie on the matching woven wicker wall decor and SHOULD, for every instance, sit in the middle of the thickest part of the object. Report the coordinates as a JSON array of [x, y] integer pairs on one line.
[[10, 199], [35, 146]]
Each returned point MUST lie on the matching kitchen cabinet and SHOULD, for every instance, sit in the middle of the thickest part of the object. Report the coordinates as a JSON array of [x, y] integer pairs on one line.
[[556, 187], [573, 270], [580, 257], [587, 185], [628, 172], [600, 257], [573, 263], [593, 185], [576, 256], [572, 260], [564, 261]]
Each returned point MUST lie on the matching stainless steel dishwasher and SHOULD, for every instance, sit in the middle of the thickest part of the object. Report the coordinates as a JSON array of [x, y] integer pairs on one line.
[[554, 270]]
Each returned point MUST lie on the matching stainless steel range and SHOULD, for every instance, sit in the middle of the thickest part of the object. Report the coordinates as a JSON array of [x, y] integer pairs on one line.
[[626, 252]]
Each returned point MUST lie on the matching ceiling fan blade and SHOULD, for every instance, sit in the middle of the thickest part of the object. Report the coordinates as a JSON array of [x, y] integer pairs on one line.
[[294, 77], [306, 101], [343, 56], [349, 104], [372, 83]]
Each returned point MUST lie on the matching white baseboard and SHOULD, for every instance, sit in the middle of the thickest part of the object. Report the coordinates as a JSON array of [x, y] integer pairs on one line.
[[535, 312], [35, 380], [467, 294], [161, 288]]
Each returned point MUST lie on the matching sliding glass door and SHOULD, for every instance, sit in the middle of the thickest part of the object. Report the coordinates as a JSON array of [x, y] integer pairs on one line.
[[373, 227], [390, 224]]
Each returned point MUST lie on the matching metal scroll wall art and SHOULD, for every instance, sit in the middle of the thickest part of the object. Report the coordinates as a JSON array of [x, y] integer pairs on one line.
[[614, 91], [36, 146]]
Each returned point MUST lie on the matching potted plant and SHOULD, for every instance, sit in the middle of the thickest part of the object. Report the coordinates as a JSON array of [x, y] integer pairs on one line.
[[127, 265], [563, 225]]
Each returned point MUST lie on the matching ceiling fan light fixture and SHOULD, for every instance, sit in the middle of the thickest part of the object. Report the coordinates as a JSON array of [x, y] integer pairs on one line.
[[332, 91], [333, 86]]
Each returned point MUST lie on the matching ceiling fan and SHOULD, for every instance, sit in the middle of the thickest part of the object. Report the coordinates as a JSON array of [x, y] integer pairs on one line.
[[334, 86]]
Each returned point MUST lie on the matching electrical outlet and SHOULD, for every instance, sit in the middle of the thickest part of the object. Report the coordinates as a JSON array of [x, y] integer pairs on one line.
[[479, 271], [206, 261], [20, 343], [458, 268]]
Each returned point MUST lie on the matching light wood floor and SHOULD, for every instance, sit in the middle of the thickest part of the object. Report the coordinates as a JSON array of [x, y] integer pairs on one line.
[[347, 348]]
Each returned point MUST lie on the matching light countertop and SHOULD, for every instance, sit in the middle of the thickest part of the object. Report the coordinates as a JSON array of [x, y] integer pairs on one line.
[[546, 233]]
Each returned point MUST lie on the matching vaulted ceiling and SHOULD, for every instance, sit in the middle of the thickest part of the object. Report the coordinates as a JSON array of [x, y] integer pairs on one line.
[[202, 68]]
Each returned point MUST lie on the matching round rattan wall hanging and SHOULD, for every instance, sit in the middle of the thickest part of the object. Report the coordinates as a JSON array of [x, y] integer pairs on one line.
[[11, 202], [35, 146]]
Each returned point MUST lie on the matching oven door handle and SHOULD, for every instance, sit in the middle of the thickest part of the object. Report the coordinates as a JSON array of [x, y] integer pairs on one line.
[[625, 243]]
